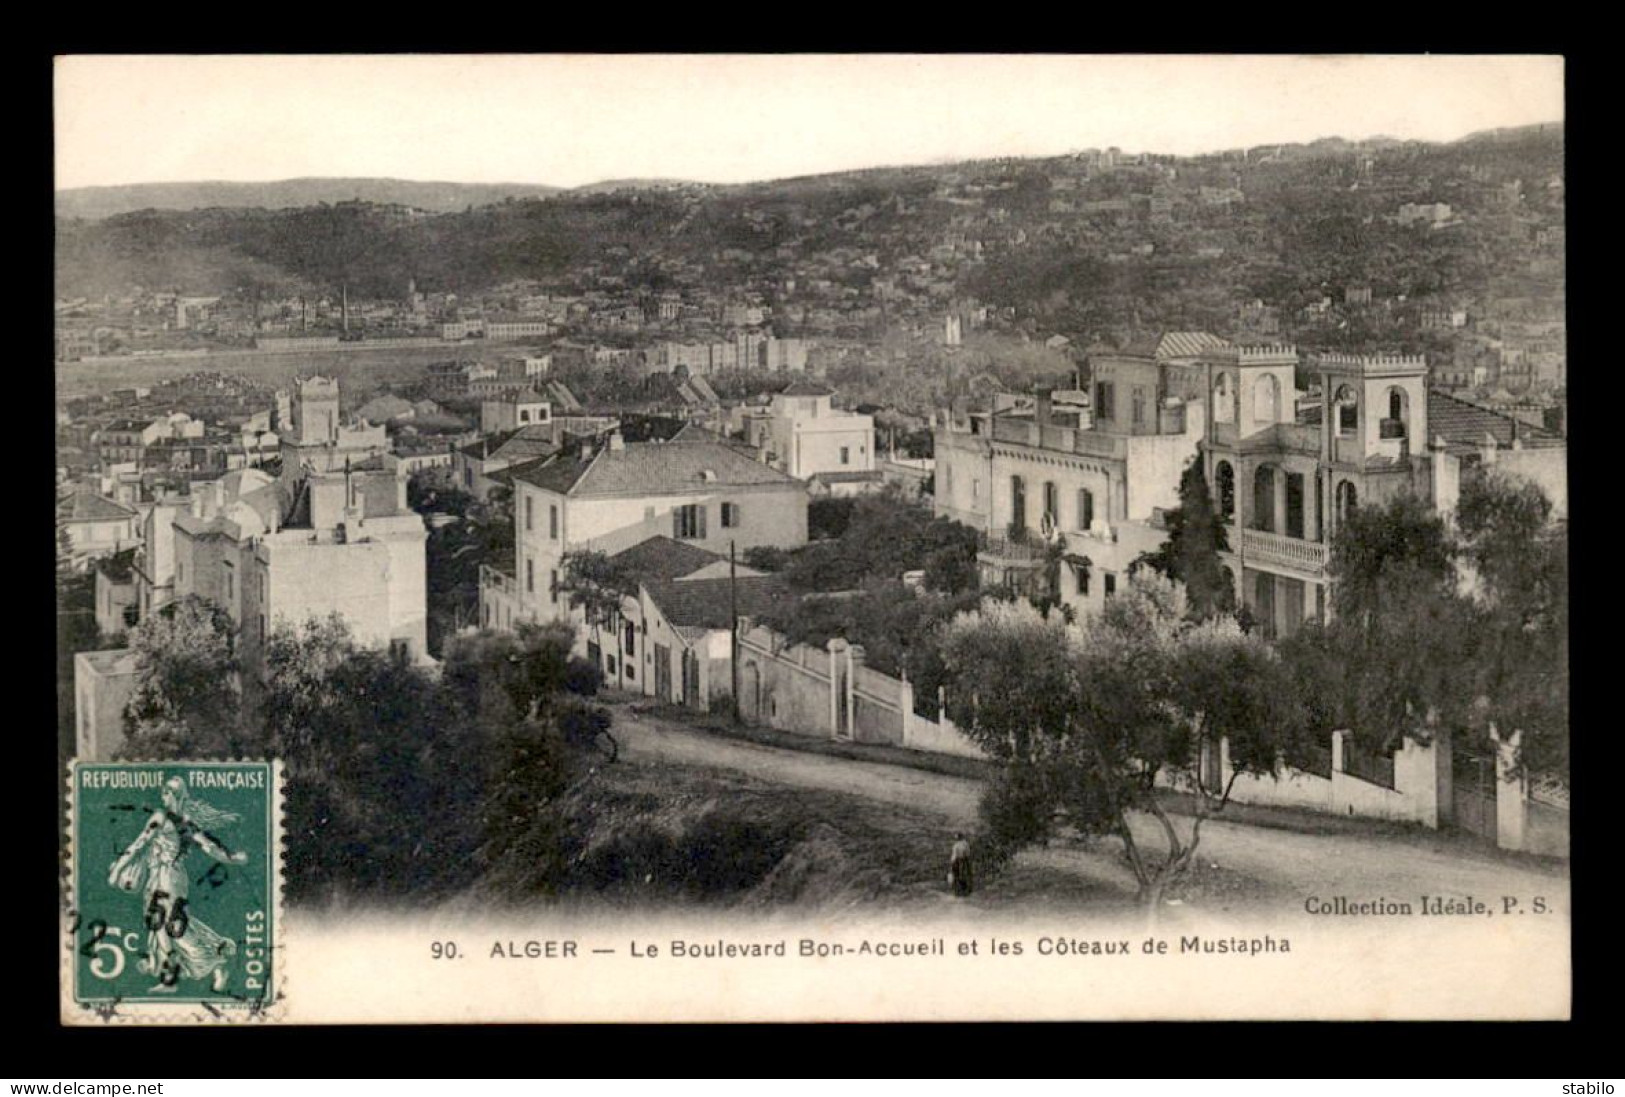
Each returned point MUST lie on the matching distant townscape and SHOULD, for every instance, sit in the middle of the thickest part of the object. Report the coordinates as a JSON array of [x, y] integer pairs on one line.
[[1108, 492]]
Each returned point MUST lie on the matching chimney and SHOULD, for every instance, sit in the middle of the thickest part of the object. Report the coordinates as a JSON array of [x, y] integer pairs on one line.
[[344, 306], [617, 443], [586, 450], [1043, 411]]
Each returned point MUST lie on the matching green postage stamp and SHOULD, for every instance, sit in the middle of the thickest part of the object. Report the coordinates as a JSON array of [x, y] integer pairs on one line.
[[174, 887]]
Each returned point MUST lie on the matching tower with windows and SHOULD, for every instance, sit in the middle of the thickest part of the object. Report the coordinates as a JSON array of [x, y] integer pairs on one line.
[[1286, 466], [1374, 426], [315, 411]]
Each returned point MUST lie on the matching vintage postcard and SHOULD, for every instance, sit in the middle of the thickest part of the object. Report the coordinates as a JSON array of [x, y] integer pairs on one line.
[[811, 538]]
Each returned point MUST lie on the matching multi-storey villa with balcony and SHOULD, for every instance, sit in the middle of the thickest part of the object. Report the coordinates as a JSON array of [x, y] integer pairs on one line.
[[1066, 488], [1285, 466]]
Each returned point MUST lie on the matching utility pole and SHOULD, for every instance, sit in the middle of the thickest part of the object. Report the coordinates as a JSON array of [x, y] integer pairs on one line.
[[733, 620]]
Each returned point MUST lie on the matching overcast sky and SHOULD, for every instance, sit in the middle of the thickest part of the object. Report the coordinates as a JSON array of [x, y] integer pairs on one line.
[[569, 120]]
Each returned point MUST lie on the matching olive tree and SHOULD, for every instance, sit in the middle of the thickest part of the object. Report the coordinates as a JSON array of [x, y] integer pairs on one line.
[[1093, 726]]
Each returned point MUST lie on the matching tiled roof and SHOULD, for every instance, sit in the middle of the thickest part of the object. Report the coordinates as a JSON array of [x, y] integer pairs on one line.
[[703, 387], [653, 468], [525, 444], [508, 473], [663, 558], [561, 392], [1187, 344], [707, 603], [86, 506], [1170, 344], [1464, 426], [381, 408], [693, 432]]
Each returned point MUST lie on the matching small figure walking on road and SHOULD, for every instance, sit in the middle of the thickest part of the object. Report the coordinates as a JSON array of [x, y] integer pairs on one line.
[[959, 866]]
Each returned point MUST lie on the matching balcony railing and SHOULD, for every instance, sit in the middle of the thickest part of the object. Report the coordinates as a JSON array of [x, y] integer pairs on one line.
[[1000, 551], [1258, 546], [1025, 432]]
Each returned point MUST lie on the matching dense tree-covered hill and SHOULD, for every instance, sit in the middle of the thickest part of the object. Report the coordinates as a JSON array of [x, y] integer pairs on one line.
[[1314, 218]]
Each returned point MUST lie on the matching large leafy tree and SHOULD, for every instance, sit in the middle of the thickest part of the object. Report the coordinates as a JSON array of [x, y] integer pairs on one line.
[[1085, 722], [1190, 554], [884, 536], [478, 533], [185, 702], [1517, 557], [1396, 658], [298, 697], [500, 677], [399, 782], [383, 778], [596, 583]]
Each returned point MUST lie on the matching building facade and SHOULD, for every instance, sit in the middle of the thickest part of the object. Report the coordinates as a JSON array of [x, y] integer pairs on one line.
[[1284, 466], [514, 410], [1063, 503], [806, 436], [609, 495], [342, 543]]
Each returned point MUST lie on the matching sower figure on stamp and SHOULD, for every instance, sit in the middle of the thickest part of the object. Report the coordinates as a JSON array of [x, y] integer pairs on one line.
[[959, 866], [155, 863]]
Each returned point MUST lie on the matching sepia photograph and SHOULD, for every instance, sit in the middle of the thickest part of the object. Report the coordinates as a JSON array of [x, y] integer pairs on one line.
[[811, 537]]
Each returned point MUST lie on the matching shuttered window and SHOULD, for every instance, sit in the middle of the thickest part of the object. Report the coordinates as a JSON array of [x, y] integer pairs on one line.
[[688, 522], [1086, 508]]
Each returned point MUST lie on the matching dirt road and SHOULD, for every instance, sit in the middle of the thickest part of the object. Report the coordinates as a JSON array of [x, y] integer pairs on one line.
[[1286, 863]]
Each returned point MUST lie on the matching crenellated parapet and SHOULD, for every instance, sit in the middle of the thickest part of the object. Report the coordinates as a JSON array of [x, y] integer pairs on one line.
[[1370, 365]]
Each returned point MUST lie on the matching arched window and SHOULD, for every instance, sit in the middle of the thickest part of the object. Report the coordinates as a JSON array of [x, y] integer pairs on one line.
[[1397, 423], [1224, 477], [1266, 399], [1348, 498], [1264, 498], [1224, 400], [1348, 411]]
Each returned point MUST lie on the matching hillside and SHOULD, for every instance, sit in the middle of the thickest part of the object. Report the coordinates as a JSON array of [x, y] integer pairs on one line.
[[437, 197], [1059, 243]]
